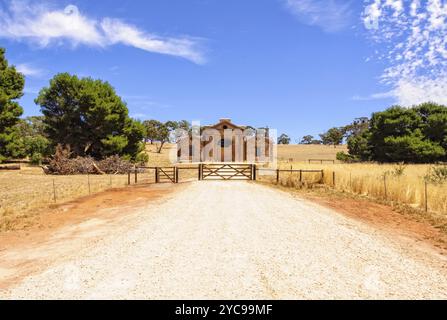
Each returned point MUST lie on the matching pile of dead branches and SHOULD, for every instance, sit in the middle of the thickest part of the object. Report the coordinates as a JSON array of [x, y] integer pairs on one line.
[[115, 165], [61, 163]]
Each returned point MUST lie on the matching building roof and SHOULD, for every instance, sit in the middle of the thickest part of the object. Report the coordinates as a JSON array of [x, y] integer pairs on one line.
[[225, 121]]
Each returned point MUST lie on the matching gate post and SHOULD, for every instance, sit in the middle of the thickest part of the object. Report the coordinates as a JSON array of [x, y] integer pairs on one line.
[[176, 174], [157, 178], [254, 168], [200, 171]]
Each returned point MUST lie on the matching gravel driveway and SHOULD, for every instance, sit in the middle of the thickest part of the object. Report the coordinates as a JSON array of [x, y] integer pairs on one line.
[[240, 240]]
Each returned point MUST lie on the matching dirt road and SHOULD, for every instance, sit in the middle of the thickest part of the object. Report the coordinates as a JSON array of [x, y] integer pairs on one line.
[[235, 240]]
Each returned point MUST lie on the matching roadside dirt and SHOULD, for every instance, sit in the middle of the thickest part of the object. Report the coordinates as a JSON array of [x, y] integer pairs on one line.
[[380, 216], [35, 243]]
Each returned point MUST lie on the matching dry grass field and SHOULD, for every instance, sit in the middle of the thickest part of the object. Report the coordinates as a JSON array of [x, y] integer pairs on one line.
[[24, 192], [389, 182], [370, 180], [302, 153]]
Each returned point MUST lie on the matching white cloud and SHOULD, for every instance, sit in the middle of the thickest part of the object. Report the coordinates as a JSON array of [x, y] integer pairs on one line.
[[117, 31], [329, 15], [413, 38], [416, 91], [37, 23], [375, 96], [139, 116], [29, 70]]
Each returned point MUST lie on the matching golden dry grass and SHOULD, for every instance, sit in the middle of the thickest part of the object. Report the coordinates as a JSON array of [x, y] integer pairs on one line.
[[160, 159], [366, 179], [23, 192], [302, 153]]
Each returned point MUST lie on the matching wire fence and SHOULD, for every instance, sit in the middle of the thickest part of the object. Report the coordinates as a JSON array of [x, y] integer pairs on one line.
[[415, 192], [31, 190]]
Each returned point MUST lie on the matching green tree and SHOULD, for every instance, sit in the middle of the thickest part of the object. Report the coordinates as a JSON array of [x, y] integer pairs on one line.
[[359, 146], [417, 134], [409, 134], [151, 127], [184, 125], [89, 116], [11, 89], [333, 136], [163, 134], [307, 139], [413, 148], [357, 127], [32, 139], [284, 139], [434, 122]]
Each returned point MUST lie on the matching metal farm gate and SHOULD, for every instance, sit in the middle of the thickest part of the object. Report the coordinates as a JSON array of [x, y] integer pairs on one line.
[[227, 171]]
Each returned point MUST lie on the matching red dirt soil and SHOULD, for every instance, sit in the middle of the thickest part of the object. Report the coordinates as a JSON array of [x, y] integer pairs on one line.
[[22, 247], [382, 217]]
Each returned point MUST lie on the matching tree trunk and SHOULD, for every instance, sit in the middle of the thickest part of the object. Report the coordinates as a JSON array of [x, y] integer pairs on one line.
[[161, 146]]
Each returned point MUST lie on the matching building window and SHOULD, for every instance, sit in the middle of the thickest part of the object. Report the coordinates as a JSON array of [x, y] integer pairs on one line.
[[225, 143]]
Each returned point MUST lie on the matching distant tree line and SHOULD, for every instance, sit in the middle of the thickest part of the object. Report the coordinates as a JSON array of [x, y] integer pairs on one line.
[[412, 135], [82, 114], [157, 131]]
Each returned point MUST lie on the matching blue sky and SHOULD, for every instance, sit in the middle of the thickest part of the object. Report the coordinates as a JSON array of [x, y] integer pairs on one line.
[[300, 66]]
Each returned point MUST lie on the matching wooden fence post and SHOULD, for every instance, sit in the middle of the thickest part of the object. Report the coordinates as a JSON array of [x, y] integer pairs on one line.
[[254, 172], [301, 175], [54, 191], [350, 181], [128, 178], [157, 175], [384, 184], [426, 196], [333, 178], [277, 175], [176, 174], [136, 175]]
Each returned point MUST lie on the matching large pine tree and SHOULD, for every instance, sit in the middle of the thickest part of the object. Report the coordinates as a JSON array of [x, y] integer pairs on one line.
[[88, 116], [11, 89]]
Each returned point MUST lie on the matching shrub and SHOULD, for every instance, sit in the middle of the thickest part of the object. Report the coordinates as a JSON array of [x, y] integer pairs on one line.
[[344, 157], [36, 158], [142, 158], [437, 174], [398, 170]]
